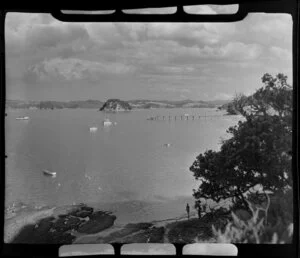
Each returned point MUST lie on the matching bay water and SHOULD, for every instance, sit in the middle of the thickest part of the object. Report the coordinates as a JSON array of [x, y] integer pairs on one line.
[[136, 167]]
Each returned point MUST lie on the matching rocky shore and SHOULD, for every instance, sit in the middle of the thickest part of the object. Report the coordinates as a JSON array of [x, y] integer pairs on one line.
[[83, 224]]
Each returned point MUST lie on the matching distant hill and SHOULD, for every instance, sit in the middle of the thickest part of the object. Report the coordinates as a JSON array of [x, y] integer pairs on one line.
[[21, 104], [92, 104], [146, 104], [115, 105]]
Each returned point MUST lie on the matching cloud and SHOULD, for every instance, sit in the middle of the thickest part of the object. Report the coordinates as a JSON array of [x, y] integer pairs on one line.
[[190, 34], [280, 53], [51, 36], [30, 33], [159, 55], [266, 30], [181, 90], [74, 69], [222, 96], [240, 51], [177, 69], [170, 57]]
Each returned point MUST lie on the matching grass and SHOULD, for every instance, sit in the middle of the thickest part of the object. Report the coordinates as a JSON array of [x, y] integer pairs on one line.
[[258, 229]]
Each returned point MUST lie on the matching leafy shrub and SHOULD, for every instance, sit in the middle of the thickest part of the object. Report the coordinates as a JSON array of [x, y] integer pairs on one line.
[[257, 229]]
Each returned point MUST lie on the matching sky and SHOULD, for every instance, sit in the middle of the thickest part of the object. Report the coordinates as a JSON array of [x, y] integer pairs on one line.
[[47, 59]]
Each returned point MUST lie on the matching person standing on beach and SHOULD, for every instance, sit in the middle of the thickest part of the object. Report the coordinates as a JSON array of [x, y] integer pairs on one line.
[[188, 210], [198, 208]]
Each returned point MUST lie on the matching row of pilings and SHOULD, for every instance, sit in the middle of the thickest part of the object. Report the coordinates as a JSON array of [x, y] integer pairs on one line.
[[182, 117]]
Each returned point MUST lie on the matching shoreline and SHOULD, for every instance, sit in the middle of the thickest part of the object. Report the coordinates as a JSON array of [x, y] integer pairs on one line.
[[80, 224]]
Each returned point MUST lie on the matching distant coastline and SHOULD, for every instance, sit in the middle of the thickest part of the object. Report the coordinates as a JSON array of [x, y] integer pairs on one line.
[[97, 104]]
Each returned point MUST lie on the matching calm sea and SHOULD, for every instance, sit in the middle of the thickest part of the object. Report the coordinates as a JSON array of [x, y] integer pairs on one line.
[[124, 162]]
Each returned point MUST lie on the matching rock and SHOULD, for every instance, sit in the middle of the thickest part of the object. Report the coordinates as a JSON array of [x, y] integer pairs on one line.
[[65, 224], [156, 235], [86, 208], [58, 227], [60, 238], [83, 214], [25, 236], [38, 233], [62, 216], [115, 105], [66, 210], [98, 222], [82, 211], [97, 215], [44, 225]]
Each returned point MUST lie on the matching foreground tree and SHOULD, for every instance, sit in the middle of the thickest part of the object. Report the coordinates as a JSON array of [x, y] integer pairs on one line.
[[259, 151]]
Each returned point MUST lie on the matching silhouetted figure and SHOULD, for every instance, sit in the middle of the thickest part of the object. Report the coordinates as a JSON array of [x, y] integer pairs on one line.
[[198, 208], [188, 210]]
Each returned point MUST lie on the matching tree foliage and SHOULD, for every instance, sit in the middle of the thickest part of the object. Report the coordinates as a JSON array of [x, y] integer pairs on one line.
[[259, 151]]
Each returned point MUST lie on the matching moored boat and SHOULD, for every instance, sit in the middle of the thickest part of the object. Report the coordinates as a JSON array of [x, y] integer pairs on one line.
[[49, 173], [107, 122], [22, 118], [93, 129]]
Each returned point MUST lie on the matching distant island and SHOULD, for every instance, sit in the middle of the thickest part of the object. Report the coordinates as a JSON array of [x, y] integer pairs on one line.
[[114, 104]]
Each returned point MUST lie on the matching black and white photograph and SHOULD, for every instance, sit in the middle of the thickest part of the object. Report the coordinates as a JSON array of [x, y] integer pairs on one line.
[[149, 132]]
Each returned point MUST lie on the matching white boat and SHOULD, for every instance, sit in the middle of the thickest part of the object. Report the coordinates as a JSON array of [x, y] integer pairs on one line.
[[49, 173], [93, 129], [22, 118], [107, 122]]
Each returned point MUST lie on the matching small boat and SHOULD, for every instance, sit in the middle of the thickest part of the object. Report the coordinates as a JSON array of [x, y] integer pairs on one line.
[[167, 144], [22, 118], [93, 129], [49, 173], [107, 122]]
